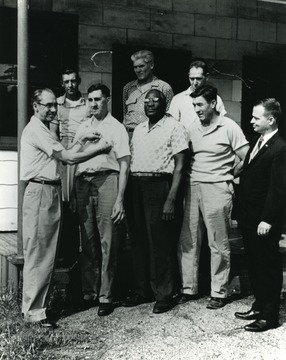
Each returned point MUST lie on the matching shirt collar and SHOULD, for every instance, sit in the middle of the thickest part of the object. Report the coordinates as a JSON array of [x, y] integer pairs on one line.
[[63, 100], [268, 136]]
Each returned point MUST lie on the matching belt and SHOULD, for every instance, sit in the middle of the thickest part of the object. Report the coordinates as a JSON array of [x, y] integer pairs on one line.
[[97, 173], [46, 182], [150, 174]]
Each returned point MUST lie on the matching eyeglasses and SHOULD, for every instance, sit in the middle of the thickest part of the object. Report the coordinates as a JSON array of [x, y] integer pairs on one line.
[[49, 105], [151, 100]]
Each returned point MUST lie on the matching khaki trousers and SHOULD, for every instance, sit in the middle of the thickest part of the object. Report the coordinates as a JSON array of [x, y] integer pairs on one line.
[[208, 204], [41, 230]]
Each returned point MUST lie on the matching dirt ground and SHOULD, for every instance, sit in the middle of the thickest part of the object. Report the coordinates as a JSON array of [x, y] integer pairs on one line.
[[187, 332]]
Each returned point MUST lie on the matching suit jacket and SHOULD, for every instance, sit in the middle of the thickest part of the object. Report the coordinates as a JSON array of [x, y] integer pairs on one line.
[[262, 189]]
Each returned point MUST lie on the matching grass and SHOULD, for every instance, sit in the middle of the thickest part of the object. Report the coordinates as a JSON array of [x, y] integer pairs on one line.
[[20, 340]]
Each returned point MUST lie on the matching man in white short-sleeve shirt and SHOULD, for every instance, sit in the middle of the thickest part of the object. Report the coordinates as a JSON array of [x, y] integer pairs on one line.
[[39, 160], [181, 107], [100, 187]]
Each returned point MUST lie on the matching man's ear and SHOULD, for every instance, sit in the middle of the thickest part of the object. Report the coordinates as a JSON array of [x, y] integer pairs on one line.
[[152, 66], [271, 120], [213, 104]]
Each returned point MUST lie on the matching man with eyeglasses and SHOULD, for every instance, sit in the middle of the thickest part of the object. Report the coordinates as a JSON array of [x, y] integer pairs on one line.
[[40, 155], [158, 150], [135, 91], [181, 107], [100, 187]]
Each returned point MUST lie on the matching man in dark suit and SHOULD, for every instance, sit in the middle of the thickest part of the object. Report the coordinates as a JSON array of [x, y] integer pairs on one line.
[[261, 203]]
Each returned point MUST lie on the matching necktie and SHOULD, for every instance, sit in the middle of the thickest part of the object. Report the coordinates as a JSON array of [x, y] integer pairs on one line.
[[256, 148]]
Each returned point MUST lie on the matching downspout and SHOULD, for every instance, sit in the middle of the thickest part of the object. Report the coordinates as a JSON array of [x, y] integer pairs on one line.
[[23, 66]]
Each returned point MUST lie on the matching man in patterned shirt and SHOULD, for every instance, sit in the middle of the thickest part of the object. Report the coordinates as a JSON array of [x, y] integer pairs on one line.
[[158, 150], [135, 91]]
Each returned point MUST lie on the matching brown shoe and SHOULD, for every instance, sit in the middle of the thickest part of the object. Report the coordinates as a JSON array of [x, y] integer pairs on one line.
[[261, 325], [105, 309], [247, 315], [216, 303], [183, 298]]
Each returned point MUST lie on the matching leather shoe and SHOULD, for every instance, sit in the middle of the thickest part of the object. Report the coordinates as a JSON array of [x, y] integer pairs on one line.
[[162, 306], [261, 325], [183, 298], [134, 300], [216, 303], [247, 315], [105, 309]]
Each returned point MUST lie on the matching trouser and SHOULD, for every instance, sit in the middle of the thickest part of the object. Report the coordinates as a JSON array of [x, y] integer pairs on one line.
[[153, 238], [99, 236], [208, 204], [41, 230], [67, 173], [265, 270]]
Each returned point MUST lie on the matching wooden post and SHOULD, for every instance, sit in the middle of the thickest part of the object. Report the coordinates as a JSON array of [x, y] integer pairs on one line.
[[23, 67]]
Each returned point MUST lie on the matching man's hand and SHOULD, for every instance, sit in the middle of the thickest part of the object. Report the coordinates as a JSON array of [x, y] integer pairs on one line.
[[168, 210], [90, 136], [263, 228], [118, 212]]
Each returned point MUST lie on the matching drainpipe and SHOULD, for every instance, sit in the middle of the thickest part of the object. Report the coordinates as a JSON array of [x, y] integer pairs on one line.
[[23, 66]]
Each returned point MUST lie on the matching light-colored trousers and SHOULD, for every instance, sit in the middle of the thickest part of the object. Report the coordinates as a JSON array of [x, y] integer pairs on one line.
[[41, 231], [99, 236], [208, 204]]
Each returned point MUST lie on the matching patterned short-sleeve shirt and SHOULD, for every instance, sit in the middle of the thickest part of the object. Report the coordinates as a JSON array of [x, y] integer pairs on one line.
[[153, 150]]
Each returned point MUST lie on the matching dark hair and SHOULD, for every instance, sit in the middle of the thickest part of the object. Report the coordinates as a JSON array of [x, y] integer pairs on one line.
[[200, 64], [70, 71], [160, 95], [99, 86], [207, 91], [271, 107], [37, 95]]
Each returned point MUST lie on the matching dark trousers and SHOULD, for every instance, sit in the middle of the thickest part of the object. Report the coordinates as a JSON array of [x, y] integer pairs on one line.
[[265, 270], [153, 254]]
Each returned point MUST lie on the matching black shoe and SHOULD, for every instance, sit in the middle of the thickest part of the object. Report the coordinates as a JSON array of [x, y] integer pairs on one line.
[[134, 300], [105, 309], [261, 325], [183, 298], [216, 303], [162, 306], [247, 315], [47, 324]]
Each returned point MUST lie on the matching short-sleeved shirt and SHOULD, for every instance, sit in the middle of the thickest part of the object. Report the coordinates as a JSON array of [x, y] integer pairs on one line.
[[112, 131], [152, 150], [213, 151], [70, 115], [133, 100], [37, 146], [182, 108]]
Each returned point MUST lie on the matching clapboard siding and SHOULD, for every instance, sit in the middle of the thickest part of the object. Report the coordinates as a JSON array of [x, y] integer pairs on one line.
[[8, 191]]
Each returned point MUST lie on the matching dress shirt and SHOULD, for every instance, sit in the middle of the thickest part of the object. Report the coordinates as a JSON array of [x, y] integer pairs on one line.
[[112, 131]]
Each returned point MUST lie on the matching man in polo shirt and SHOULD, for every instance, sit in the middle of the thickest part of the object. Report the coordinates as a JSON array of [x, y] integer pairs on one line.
[[40, 154], [181, 107], [215, 141], [158, 150], [100, 186], [72, 111], [135, 91]]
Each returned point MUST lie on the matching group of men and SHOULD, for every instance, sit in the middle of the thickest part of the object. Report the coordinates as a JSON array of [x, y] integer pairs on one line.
[[178, 148]]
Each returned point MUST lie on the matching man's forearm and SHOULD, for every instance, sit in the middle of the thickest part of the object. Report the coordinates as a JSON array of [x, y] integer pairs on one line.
[[71, 157], [123, 176]]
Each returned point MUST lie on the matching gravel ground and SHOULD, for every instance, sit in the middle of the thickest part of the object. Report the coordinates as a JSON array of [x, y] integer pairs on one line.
[[187, 332]]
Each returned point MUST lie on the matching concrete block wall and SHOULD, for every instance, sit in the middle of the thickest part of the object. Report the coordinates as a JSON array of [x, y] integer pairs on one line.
[[220, 31]]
